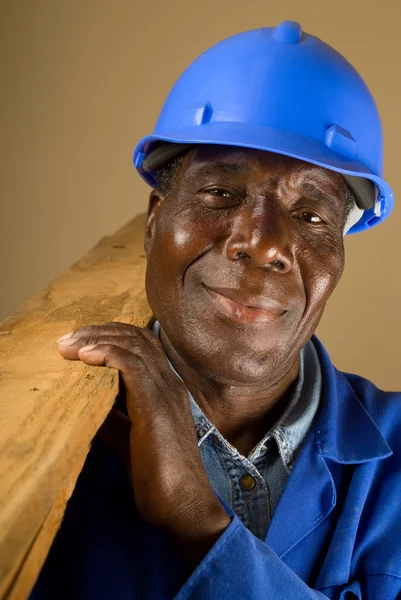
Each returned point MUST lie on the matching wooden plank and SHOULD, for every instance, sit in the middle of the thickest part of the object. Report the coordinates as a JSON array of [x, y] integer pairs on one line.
[[50, 408], [30, 568]]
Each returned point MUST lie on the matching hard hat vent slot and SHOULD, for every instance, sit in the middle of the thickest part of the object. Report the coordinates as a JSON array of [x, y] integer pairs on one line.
[[372, 221], [204, 114], [139, 160], [341, 141]]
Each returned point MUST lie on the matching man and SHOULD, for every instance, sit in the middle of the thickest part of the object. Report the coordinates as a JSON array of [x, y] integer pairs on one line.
[[256, 469]]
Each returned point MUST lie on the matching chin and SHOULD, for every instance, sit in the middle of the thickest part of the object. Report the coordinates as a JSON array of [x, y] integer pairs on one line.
[[240, 368]]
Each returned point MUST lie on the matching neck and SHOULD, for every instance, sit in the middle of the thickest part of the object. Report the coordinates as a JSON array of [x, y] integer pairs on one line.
[[242, 414]]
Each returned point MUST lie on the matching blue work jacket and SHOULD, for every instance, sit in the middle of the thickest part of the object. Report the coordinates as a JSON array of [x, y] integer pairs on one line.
[[335, 533]]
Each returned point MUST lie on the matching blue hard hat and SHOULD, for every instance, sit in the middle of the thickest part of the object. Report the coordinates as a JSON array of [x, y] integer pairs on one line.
[[281, 90]]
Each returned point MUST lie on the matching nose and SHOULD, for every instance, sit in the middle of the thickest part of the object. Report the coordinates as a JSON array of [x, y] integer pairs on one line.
[[263, 234]]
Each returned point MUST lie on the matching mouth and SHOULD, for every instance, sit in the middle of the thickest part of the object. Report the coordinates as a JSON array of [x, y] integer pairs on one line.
[[246, 314]]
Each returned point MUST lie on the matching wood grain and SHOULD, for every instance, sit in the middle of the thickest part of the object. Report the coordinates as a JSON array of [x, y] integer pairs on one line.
[[51, 408]]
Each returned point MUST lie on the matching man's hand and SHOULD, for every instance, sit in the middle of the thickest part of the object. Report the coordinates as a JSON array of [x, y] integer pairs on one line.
[[170, 484]]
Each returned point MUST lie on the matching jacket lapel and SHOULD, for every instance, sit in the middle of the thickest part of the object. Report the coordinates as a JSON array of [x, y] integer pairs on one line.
[[343, 432], [307, 499]]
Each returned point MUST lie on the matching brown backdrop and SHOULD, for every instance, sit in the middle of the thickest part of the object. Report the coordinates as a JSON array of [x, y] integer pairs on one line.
[[83, 80]]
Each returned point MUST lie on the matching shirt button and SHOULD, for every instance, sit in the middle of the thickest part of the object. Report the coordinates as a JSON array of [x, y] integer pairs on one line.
[[247, 482]]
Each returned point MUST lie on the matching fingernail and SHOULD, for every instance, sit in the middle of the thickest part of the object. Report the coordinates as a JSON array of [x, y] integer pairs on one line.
[[65, 337], [66, 342], [87, 348]]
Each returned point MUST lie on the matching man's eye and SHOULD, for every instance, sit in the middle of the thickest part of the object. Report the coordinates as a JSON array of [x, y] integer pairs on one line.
[[221, 199], [220, 192], [310, 217]]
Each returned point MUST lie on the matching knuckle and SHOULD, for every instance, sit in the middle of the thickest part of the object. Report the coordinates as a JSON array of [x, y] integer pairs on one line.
[[87, 330]]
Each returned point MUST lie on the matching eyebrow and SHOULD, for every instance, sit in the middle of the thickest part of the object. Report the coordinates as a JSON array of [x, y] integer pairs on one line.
[[317, 193], [309, 188], [222, 168]]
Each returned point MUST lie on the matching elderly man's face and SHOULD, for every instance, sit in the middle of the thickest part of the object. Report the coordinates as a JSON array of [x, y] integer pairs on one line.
[[254, 225]]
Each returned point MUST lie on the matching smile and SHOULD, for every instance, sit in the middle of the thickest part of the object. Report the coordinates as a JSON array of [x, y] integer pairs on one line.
[[244, 314]]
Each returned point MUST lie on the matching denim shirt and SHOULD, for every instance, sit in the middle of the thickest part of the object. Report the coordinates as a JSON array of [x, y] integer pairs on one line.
[[252, 485]]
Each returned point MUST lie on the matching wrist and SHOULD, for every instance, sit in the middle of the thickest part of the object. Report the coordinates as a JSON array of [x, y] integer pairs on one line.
[[200, 522], [197, 529], [197, 526]]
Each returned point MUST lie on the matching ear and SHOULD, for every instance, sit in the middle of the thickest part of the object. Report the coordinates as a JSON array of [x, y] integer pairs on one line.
[[155, 199]]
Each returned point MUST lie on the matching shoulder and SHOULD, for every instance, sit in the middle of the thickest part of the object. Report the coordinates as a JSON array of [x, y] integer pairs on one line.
[[358, 399], [383, 406], [380, 404]]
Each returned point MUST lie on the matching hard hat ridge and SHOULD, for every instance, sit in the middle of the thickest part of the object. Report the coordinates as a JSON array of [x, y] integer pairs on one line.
[[288, 32]]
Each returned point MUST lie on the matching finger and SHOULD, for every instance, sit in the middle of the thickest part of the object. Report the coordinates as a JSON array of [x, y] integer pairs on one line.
[[69, 348], [133, 368], [110, 328], [117, 328], [133, 330], [109, 355], [120, 324]]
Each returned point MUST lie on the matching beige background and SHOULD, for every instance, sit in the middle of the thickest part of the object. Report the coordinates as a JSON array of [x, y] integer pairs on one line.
[[83, 80]]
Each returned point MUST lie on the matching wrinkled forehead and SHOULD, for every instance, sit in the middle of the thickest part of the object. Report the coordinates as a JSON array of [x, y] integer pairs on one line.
[[261, 166]]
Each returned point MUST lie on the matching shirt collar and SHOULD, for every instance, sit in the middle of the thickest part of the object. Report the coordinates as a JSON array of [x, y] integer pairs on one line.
[[292, 427]]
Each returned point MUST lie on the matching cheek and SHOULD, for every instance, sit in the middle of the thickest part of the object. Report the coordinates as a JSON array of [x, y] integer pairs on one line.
[[177, 242], [323, 269], [181, 238], [183, 232]]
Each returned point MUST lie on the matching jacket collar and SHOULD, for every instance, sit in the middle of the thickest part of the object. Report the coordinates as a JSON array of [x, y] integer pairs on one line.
[[345, 431]]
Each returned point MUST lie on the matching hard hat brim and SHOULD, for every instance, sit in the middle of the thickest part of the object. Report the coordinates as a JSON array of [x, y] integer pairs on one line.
[[272, 140]]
